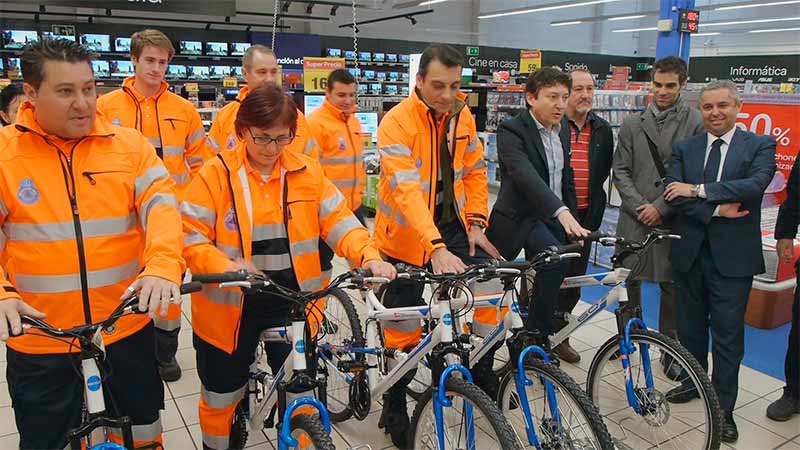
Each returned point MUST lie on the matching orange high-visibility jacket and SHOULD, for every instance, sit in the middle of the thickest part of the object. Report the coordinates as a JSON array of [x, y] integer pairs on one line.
[[222, 135], [170, 123], [313, 208], [338, 136], [82, 220], [408, 141]]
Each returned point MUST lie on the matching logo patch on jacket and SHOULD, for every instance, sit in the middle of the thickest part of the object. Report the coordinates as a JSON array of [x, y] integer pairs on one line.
[[230, 220], [231, 143], [342, 145], [116, 121], [27, 192]]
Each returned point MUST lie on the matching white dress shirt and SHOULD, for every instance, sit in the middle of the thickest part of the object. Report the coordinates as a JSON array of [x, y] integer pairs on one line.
[[723, 153]]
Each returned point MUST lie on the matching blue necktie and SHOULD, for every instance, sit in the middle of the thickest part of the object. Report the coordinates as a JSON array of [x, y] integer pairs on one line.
[[712, 165]]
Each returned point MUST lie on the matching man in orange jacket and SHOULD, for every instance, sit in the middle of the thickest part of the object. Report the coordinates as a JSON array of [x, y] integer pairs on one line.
[[259, 66], [173, 127], [432, 205], [337, 132], [87, 210]]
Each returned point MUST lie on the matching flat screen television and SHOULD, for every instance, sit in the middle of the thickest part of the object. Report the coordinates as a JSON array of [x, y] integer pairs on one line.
[[381, 76], [237, 72], [176, 72], [390, 89], [101, 69], [198, 72], [349, 55], [379, 57], [369, 123], [122, 45], [51, 35], [17, 39], [219, 72], [121, 68], [369, 74], [391, 57], [356, 73], [394, 76], [190, 47], [96, 42], [362, 88], [405, 58], [13, 68], [404, 91], [311, 103], [364, 56], [334, 53], [217, 48], [2, 65], [239, 48], [375, 88]]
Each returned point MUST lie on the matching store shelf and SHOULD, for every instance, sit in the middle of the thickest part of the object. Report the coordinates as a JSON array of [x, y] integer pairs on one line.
[[620, 109], [497, 107]]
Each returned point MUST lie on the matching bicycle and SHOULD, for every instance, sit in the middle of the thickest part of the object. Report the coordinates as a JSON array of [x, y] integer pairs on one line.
[[453, 413], [291, 386], [94, 431], [624, 360]]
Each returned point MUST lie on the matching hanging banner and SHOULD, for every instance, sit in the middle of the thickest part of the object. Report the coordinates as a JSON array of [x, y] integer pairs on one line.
[[316, 71], [529, 61]]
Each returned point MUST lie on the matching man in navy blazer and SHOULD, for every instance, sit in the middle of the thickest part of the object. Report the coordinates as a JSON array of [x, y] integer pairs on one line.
[[716, 181]]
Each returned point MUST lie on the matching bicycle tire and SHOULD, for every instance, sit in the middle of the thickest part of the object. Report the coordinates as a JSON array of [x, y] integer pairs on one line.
[[566, 385], [338, 400], [238, 436], [683, 357], [311, 426], [488, 409]]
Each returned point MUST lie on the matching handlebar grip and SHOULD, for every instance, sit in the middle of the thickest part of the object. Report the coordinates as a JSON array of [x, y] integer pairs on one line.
[[593, 236], [225, 277], [569, 248], [518, 265], [363, 273], [188, 288]]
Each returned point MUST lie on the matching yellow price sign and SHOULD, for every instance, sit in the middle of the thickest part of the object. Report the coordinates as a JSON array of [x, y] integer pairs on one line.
[[316, 71], [529, 60], [230, 82], [192, 87]]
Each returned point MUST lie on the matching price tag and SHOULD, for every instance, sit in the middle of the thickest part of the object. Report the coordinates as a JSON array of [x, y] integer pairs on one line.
[[192, 87], [316, 71], [230, 82], [529, 61]]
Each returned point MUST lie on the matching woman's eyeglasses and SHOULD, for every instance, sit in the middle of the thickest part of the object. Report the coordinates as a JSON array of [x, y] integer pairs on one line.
[[281, 141]]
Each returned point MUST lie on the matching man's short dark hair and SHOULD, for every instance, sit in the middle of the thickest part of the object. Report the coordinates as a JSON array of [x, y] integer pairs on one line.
[[445, 54], [60, 50], [340, 76], [547, 77], [672, 64]]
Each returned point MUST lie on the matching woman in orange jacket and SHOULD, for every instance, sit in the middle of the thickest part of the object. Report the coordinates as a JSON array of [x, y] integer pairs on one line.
[[260, 208]]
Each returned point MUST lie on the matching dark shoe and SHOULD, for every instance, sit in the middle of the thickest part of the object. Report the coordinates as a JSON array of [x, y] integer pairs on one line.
[[484, 377], [170, 371], [729, 431], [565, 352], [682, 394], [395, 418], [783, 408], [672, 369], [528, 338]]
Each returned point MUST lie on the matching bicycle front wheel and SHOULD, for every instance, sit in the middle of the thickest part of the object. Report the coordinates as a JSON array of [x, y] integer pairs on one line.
[[310, 433], [488, 429], [577, 424], [668, 418]]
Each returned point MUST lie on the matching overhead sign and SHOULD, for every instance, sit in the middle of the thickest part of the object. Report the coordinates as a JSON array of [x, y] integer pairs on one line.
[[688, 21], [291, 48], [529, 61], [740, 69], [473, 51], [599, 65], [316, 71], [210, 8]]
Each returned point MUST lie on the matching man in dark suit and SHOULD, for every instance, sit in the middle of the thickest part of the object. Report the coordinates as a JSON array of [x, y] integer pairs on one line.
[[535, 205], [591, 153], [788, 405], [716, 181]]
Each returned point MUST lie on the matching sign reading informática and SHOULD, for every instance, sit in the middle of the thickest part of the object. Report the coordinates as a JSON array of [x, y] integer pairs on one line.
[[758, 69], [207, 7]]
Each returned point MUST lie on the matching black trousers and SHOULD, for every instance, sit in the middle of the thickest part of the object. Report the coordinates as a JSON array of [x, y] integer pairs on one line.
[[547, 283], [47, 390], [568, 298], [326, 253], [708, 300], [792, 365], [166, 344]]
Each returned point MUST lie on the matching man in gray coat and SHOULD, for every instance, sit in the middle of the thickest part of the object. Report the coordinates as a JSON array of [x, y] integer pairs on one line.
[[640, 164]]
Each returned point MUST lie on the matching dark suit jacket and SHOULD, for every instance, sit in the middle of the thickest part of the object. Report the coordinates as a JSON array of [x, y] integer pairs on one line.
[[525, 195], [601, 155], [735, 243], [789, 214]]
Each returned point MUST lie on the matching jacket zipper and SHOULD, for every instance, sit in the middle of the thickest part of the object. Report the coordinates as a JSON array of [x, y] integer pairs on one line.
[[91, 179], [452, 167], [355, 166]]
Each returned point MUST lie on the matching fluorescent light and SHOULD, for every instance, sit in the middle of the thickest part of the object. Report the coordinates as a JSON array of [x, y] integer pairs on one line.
[[744, 22], [431, 2], [638, 16], [632, 30], [545, 8], [705, 34], [562, 24], [774, 30], [728, 8]]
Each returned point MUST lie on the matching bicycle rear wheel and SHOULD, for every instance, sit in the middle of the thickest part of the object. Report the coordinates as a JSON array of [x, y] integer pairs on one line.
[[489, 428], [310, 433], [663, 423], [341, 327], [579, 425]]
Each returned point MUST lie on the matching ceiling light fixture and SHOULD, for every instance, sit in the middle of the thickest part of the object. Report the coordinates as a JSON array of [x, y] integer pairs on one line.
[[705, 34], [729, 8], [745, 22], [775, 30], [637, 16], [633, 30], [431, 2], [552, 7], [563, 24]]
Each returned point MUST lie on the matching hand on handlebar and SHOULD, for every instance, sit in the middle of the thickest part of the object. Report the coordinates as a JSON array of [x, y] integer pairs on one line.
[[10, 312], [381, 269], [442, 261], [241, 264], [154, 294], [571, 225]]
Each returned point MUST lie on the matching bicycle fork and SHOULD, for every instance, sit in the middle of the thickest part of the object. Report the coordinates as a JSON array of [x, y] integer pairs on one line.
[[521, 382], [626, 349]]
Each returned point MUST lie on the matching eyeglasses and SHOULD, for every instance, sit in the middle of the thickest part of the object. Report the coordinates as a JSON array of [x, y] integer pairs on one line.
[[281, 141]]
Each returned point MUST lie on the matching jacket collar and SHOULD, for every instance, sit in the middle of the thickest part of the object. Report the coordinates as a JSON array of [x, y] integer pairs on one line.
[[423, 108], [26, 123], [127, 85], [242, 94], [334, 111]]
